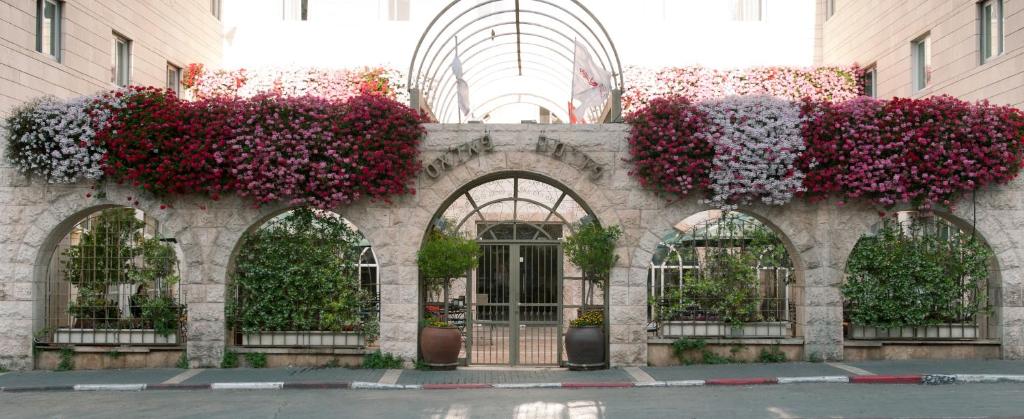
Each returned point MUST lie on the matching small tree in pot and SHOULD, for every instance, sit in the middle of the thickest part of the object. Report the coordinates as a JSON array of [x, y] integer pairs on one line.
[[592, 249], [443, 257]]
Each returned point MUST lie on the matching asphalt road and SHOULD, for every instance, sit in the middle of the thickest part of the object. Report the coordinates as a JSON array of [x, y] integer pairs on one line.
[[778, 401]]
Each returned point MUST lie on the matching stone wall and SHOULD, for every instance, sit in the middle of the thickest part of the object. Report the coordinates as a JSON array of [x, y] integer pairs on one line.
[[819, 238]]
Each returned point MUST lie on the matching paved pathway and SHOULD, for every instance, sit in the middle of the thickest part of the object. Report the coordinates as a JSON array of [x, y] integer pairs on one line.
[[497, 376]]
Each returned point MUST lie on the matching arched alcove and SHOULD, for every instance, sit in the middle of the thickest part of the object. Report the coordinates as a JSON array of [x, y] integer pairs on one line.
[[723, 274], [302, 278], [514, 307], [112, 279], [941, 282]]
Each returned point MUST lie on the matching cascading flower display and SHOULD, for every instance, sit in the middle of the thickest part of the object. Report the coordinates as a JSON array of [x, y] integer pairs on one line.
[[332, 84], [925, 152], [757, 140], [303, 150], [288, 149], [922, 152], [55, 139], [670, 147], [702, 83]]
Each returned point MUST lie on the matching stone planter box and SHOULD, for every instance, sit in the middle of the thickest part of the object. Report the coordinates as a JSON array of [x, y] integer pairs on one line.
[[113, 337], [675, 329], [326, 339], [936, 332]]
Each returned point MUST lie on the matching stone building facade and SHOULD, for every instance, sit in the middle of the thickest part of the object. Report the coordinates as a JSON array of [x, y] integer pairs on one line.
[[818, 236]]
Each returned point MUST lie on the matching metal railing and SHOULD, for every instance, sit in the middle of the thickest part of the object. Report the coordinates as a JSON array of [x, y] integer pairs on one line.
[[113, 281]]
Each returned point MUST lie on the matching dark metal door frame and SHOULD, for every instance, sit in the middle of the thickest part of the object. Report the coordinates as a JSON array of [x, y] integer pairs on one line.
[[514, 305]]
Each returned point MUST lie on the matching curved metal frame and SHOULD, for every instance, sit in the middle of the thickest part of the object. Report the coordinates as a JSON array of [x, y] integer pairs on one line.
[[424, 83]]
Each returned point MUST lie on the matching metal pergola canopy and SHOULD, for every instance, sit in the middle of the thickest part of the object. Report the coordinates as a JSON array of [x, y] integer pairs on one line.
[[513, 51]]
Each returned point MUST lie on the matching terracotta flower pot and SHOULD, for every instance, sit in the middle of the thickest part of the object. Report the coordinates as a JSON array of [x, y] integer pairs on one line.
[[440, 346], [585, 347]]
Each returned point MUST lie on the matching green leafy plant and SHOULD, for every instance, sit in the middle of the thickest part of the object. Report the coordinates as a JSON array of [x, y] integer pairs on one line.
[[592, 249], [916, 275], [182, 361], [162, 313], [725, 290], [772, 354], [3, 369], [694, 351], [256, 359], [67, 359], [299, 272], [382, 360], [114, 353], [333, 363], [589, 319], [443, 257], [230, 360]]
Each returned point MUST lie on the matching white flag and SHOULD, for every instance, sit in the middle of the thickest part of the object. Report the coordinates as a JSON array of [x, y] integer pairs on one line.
[[591, 84], [461, 86]]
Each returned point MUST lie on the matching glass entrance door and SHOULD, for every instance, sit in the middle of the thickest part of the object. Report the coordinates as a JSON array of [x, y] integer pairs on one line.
[[515, 305]]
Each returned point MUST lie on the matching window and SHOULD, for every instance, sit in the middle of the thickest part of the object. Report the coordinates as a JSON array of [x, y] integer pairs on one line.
[[871, 81], [991, 22], [398, 9], [215, 8], [174, 78], [121, 61], [295, 10], [748, 10], [48, 17], [830, 8], [920, 51]]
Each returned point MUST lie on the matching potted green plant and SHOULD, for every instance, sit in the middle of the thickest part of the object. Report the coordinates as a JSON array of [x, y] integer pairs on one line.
[[443, 257], [592, 249]]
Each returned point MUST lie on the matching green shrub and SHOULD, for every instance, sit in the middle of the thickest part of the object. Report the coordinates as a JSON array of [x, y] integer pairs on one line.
[[592, 249], [256, 360], [382, 360], [67, 359], [687, 350], [299, 272], [772, 354], [230, 360], [915, 276], [443, 257], [182, 361]]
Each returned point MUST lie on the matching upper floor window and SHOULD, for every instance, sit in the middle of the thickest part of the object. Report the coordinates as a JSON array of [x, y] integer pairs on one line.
[[174, 78], [121, 61], [991, 22], [830, 8], [748, 10], [871, 81], [398, 9], [48, 27], [295, 10], [921, 61], [215, 8]]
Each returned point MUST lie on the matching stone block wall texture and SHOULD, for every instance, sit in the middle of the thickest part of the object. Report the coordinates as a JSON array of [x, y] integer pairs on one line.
[[879, 32], [819, 237]]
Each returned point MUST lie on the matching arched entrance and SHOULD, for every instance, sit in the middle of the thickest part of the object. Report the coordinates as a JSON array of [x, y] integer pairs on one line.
[[514, 307]]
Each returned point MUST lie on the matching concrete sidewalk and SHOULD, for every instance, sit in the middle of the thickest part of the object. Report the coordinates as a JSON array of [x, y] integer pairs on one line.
[[929, 372]]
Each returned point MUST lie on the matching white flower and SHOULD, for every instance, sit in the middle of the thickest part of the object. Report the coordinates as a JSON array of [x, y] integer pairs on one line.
[[757, 141]]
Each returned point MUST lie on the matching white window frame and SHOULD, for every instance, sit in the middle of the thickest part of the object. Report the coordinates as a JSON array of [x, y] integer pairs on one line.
[[736, 11], [117, 65], [56, 28], [871, 89], [920, 62], [175, 83], [215, 8], [396, 12], [297, 10], [987, 33]]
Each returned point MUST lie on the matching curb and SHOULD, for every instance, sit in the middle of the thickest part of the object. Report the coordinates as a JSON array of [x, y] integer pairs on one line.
[[927, 379]]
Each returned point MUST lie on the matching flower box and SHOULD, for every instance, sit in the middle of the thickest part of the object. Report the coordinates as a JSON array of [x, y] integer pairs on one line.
[[673, 329], [955, 331], [330, 339], [81, 336]]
